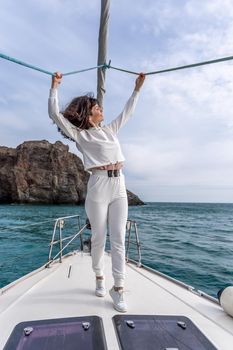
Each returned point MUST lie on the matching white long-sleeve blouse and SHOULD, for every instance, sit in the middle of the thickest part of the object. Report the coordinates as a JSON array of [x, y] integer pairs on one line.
[[99, 146]]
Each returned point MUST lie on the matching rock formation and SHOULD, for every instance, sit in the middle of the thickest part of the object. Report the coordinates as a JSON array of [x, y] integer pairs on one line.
[[41, 172]]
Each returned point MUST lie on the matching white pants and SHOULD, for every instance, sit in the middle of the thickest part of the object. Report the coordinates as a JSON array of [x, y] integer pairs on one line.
[[107, 209]]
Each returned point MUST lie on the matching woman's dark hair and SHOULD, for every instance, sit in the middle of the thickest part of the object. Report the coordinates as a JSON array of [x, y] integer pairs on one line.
[[78, 111]]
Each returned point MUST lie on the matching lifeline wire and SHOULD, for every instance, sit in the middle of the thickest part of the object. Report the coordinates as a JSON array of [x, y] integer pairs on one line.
[[119, 69]]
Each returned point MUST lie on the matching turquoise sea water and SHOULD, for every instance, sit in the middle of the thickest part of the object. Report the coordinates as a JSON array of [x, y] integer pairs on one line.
[[191, 242]]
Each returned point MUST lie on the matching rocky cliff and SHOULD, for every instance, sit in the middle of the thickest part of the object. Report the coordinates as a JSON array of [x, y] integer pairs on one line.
[[41, 172]]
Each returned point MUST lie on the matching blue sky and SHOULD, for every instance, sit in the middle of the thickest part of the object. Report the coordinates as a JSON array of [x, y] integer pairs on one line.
[[179, 143]]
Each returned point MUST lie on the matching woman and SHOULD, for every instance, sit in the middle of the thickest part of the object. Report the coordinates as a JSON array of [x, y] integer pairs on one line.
[[106, 201]]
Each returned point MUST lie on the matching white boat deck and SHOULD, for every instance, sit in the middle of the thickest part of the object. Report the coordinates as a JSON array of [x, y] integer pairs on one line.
[[49, 293]]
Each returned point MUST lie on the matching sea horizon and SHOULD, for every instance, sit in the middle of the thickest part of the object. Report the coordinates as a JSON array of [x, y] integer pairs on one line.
[[181, 239]]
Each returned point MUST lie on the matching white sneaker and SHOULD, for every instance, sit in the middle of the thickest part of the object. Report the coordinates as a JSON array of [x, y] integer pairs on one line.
[[118, 300], [100, 290]]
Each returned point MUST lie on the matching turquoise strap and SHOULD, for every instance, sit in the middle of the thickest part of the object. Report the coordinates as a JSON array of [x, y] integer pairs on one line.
[[122, 70], [119, 69], [84, 70], [43, 70], [24, 64], [176, 68], [192, 65]]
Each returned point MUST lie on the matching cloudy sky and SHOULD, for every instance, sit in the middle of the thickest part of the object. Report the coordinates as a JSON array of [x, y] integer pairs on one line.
[[179, 144]]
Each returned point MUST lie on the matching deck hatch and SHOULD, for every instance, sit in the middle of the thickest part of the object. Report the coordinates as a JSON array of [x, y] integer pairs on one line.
[[75, 333], [159, 332]]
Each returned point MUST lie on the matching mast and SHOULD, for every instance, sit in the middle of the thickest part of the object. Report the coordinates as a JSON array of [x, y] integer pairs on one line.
[[102, 49]]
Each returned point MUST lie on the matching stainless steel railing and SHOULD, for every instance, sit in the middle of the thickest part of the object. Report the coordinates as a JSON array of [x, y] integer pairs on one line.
[[59, 226], [131, 230]]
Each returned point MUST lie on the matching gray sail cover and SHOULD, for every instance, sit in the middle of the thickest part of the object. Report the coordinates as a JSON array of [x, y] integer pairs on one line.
[[102, 49]]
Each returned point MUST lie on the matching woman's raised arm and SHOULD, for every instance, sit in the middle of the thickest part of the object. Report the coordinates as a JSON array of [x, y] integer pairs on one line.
[[128, 110], [54, 113]]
